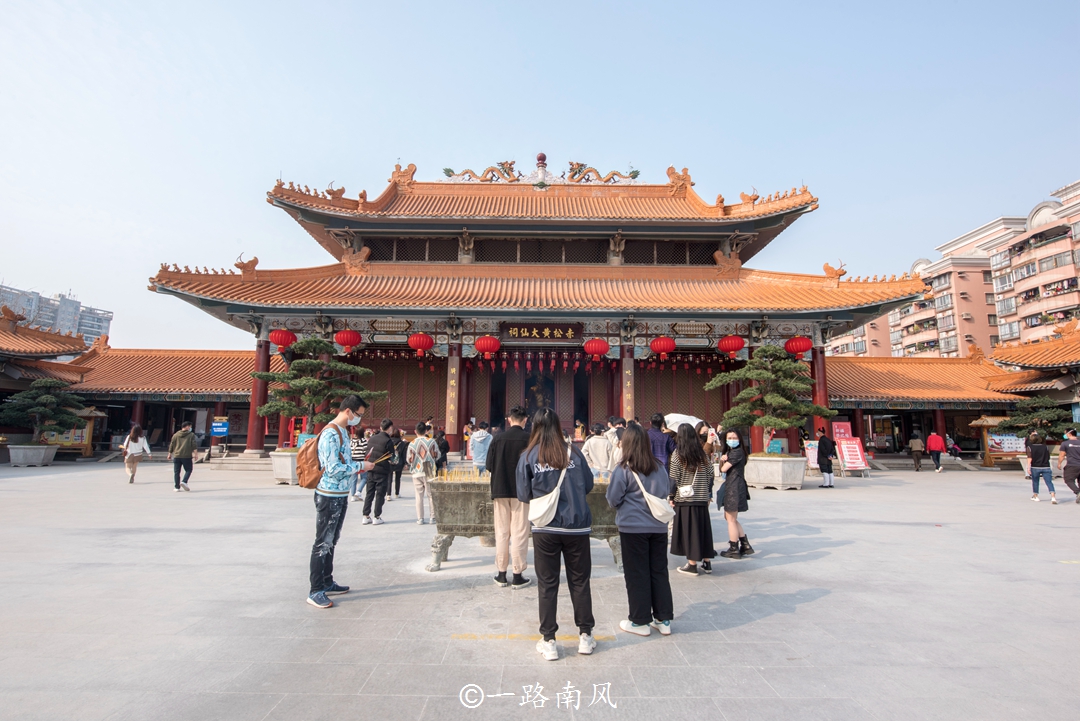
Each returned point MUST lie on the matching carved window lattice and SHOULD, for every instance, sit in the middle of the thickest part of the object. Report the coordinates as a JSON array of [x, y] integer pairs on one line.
[[598, 387], [586, 251], [702, 253], [382, 249], [671, 253], [639, 252], [442, 250], [514, 387], [481, 394], [494, 250], [411, 250]]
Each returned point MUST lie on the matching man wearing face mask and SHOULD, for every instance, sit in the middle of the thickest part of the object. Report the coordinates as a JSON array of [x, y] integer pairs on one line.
[[331, 498]]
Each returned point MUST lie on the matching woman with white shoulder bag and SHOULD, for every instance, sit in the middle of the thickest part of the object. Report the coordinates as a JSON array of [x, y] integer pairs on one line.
[[638, 492], [554, 479], [135, 446], [691, 490]]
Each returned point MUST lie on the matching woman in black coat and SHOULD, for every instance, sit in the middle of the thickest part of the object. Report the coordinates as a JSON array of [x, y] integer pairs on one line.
[[826, 452], [735, 495]]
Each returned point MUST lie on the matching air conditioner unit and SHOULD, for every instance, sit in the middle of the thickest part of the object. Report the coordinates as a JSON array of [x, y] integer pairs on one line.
[[961, 274], [966, 316], [969, 337], [875, 342], [964, 295], [873, 325]]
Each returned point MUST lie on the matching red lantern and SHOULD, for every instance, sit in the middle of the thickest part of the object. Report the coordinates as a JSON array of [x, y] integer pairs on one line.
[[487, 344], [421, 342], [731, 344], [596, 347], [347, 339], [798, 345], [282, 338], [662, 346]]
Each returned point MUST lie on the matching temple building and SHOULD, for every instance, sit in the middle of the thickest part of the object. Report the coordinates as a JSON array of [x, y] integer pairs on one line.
[[592, 294]]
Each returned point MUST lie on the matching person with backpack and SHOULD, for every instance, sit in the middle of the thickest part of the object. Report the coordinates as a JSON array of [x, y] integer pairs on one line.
[[511, 516], [422, 457], [331, 496], [554, 479], [643, 523], [135, 447]]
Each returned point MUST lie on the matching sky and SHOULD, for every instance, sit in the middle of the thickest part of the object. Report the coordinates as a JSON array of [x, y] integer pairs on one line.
[[137, 133]]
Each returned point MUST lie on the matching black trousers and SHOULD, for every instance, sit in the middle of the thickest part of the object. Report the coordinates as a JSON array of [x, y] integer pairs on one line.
[[184, 463], [395, 482], [645, 570], [1072, 474], [329, 517], [375, 491], [935, 456], [548, 548]]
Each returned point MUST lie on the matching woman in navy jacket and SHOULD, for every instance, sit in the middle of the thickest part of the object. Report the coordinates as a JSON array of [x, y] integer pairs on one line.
[[643, 538], [566, 536]]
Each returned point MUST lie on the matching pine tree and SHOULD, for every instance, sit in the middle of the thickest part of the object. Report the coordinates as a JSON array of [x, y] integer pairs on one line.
[[44, 407], [1038, 414], [776, 402], [310, 381]]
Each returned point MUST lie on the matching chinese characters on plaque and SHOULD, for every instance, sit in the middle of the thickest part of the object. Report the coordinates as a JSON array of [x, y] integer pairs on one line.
[[547, 333]]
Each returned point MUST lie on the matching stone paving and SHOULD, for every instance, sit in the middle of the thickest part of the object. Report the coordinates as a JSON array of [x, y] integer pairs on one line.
[[903, 596]]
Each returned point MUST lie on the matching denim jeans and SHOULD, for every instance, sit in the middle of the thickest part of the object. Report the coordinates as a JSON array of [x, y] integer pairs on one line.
[[181, 463], [329, 517], [357, 484], [1046, 474]]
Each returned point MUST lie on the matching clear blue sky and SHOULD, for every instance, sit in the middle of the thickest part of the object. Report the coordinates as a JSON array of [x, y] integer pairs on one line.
[[144, 132]]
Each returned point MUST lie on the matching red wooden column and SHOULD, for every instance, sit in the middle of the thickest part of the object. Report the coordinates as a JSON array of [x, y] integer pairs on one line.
[[219, 410], [858, 427], [821, 384], [939, 422], [256, 430], [626, 381], [453, 396], [138, 413], [757, 433]]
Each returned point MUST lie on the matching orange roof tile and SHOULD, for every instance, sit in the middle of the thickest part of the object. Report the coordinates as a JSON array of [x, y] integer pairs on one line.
[[126, 370], [535, 287], [507, 196], [24, 342], [1030, 381], [1062, 351], [34, 369], [915, 379]]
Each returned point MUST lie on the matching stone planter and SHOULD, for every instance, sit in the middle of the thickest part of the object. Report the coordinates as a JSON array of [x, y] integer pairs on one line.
[[464, 508], [284, 463], [37, 454], [782, 472]]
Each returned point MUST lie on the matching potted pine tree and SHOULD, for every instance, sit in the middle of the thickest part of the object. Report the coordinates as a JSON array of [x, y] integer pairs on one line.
[[776, 385], [1041, 415], [313, 379], [44, 406]]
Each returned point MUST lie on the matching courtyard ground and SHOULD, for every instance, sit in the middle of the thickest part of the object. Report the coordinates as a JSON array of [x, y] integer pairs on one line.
[[902, 596]]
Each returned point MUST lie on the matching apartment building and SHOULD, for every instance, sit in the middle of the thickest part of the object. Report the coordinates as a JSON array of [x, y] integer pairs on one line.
[[1011, 279], [62, 313]]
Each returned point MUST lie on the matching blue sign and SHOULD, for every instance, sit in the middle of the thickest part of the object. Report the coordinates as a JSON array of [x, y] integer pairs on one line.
[[219, 428], [775, 446]]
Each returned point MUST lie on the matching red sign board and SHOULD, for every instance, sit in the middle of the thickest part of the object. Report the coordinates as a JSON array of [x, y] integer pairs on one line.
[[841, 429], [851, 453]]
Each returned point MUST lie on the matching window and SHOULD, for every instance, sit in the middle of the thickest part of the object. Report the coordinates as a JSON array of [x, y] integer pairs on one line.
[[897, 351], [1027, 296], [1056, 261], [896, 336], [894, 316], [943, 301], [941, 281], [1062, 286], [859, 332], [989, 298], [860, 346], [1000, 260], [949, 343], [1024, 271], [947, 321], [1003, 282], [1008, 330], [991, 319], [988, 277], [994, 341]]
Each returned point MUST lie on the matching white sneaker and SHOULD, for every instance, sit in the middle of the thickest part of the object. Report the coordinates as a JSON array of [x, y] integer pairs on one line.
[[631, 627], [1036, 498], [177, 490], [1053, 500], [184, 486], [378, 522], [419, 521], [937, 471], [548, 649], [664, 627], [389, 498], [586, 645], [366, 521]]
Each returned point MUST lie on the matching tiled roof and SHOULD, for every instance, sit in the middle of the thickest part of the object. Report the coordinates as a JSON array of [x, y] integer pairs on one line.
[[1030, 381], [125, 370], [24, 342], [1062, 351], [511, 198], [915, 379], [535, 287], [32, 370]]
